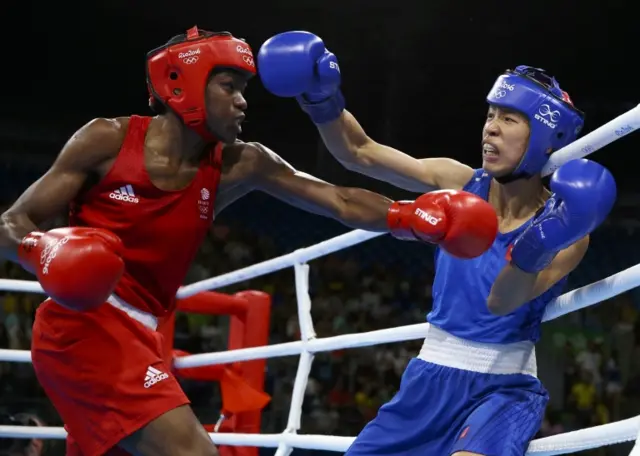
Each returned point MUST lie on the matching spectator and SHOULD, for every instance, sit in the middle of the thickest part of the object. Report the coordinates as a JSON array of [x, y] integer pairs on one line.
[[583, 397]]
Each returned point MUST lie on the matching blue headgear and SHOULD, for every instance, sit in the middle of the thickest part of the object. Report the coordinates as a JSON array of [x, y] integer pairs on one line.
[[553, 120]]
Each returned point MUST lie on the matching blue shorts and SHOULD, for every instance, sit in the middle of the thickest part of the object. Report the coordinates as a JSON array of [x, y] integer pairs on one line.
[[440, 410]]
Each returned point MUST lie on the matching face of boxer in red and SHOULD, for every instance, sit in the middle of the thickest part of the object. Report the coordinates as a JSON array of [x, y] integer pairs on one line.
[[225, 104], [201, 77], [505, 138]]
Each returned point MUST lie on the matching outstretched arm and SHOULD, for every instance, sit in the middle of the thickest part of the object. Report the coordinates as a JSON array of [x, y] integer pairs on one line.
[[429, 218], [354, 207], [298, 64], [356, 151]]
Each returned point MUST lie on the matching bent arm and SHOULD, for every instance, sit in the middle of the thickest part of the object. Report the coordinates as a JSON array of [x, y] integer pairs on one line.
[[52, 193], [356, 151], [354, 207], [514, 287]]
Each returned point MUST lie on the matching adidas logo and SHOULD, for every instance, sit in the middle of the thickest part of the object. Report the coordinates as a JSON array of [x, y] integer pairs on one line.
[[124, 193], [154, 376]]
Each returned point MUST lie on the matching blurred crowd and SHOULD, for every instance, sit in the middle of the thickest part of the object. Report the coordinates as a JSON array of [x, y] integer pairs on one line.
[[588, 359]]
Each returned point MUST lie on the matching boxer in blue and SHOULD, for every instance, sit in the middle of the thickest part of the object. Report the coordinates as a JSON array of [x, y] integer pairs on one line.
[[473, 388]]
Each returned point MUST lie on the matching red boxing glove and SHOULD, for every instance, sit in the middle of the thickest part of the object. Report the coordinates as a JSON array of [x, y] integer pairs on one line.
[[461, 223], [78, 267]]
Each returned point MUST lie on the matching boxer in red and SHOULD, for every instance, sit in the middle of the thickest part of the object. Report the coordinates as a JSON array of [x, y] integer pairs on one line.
[[142, 194]]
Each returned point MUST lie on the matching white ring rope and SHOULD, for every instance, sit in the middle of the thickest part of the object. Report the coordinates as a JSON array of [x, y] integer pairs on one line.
[[635, 451], [608, 434], [604, 135], [569, 442]]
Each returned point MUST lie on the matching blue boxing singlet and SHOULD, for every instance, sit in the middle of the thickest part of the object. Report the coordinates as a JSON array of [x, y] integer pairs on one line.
[[461, 289]]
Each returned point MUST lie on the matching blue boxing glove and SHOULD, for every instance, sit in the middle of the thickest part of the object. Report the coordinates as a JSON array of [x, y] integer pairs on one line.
[[583, 195], [297, 64]]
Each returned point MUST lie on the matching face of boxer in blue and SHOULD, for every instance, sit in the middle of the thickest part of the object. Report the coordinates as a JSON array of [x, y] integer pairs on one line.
[[529, 117], [505, 138]]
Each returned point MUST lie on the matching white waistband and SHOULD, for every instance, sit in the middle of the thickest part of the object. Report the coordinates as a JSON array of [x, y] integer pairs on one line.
[[444, 349], [141, 316]]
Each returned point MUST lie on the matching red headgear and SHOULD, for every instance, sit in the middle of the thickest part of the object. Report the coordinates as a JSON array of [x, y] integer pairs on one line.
[[177, 73]]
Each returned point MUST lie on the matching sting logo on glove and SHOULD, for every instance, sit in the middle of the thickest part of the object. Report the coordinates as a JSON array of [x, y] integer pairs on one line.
[[428, 217], [462, 224]]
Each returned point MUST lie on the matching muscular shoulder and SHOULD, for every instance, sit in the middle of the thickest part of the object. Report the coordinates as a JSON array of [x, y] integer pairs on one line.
[[94, 143], [250, 150], [250, 158], [445, 173], [103, 132]]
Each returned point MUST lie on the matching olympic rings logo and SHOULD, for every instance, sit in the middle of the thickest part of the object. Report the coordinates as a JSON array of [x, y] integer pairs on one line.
[[248, 60], [500, 93], [190, 60], [545, 111]]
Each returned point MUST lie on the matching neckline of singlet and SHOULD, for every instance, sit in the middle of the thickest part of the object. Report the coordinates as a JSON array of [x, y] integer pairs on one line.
[[209, 158], [514, 231]]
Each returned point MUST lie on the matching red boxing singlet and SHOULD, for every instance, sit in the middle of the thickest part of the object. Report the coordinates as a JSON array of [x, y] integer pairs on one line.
[[161, 230]]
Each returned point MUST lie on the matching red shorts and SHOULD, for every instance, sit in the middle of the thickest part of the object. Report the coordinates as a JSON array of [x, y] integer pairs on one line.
[[104, 373]]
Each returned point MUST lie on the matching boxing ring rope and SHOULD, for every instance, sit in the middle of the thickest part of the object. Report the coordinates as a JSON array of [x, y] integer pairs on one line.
[[285, 442]]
